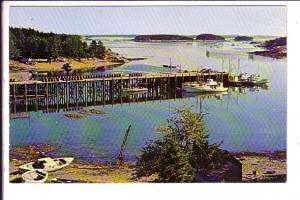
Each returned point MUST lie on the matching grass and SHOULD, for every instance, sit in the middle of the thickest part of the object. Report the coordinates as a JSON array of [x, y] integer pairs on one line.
[[57, 66]]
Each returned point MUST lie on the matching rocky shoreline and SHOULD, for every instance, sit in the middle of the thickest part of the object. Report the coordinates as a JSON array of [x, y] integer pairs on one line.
[[256, 167], [278, 53]]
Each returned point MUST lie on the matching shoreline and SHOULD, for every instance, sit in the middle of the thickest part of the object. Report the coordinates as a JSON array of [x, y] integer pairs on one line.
[[257, 167]]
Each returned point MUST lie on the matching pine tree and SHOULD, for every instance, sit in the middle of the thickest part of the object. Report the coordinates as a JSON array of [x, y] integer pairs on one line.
[[183, 151]]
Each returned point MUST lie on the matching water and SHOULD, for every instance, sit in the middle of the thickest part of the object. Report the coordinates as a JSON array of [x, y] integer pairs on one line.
[[244, 119]]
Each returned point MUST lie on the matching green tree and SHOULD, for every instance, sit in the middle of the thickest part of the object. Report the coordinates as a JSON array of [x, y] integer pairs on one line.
[[100, 52], [14, 52], [93, 48], [182, 152]]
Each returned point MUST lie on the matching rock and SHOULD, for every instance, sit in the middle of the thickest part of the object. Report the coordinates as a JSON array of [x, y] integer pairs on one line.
[[146, 38], [229, 171], [210, 37], [270, 44], [74, 115], [243, 38]]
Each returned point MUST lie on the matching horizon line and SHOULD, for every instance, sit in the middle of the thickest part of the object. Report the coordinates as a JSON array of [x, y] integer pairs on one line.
[[135, 34]]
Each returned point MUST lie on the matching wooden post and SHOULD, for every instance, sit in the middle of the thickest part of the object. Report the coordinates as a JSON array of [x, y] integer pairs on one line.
[[94, 91], [112, 86], [190, 78], [36, 91], [47, 89], [67, 93], [56, 87], [25, 92], [121, 88], [120, 157], [168, 80], [76, 93], [175, 80], [104, 91], [85, 91], [153, 81], [14, 92]]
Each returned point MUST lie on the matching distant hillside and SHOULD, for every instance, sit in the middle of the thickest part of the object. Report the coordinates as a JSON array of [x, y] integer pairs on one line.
[[243, 38], [210, 37], [144, 38]]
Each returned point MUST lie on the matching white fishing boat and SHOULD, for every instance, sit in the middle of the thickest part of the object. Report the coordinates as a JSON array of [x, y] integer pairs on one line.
[[46, 164], [257, 80], [134, 90], [35, 176], [204, 88], [244, 79], [209, 82]]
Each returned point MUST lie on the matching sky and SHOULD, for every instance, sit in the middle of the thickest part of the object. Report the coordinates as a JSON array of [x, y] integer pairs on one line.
[[186, 20]]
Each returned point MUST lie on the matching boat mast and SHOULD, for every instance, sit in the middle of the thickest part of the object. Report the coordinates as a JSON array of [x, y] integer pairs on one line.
[[170, 64], [238, 65], [222, 69]]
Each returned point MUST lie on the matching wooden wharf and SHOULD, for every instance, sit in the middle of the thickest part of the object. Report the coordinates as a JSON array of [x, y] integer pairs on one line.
[[76, 91]]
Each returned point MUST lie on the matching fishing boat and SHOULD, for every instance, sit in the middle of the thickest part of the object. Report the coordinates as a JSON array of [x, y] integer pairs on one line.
[[209, 82], [35, 176], [204, 88], [245, 80], [257, 80], [134, 90], [46, 164], [170, 66]]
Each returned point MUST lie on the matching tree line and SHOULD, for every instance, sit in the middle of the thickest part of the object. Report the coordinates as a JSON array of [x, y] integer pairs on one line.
[[30, 43]]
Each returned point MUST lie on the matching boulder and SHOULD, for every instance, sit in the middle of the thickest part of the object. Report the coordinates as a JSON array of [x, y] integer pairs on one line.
[[270, 44], [229, 171]]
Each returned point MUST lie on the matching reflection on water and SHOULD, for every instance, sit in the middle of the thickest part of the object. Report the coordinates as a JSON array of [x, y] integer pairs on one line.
[[98, 137], [245, 119]]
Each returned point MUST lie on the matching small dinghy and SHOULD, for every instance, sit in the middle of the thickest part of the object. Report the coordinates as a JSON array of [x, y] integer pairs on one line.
[[35, 176], [46, 164], [134, 90]]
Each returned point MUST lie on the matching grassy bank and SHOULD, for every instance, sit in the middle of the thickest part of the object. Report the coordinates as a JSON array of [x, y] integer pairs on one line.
[[84, 65]]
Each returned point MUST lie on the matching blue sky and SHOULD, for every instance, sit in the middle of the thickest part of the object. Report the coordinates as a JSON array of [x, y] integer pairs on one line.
[[190, 20]]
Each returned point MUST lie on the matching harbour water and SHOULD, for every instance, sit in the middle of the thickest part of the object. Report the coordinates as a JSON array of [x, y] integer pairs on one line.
[[246, 119]]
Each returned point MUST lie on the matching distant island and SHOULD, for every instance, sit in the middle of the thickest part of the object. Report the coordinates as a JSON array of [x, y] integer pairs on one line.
[[161, 37], [243, 38], [207, 36], [275, 48]]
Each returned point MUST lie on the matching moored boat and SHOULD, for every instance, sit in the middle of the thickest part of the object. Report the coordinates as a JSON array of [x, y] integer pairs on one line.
[[170, 66], [134, 90], [209, 81], [46, 164], [245, 80], [35, 176]]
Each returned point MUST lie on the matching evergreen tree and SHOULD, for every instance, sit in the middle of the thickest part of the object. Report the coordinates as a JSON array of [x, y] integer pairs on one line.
[[183, 151], [34, 44]]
